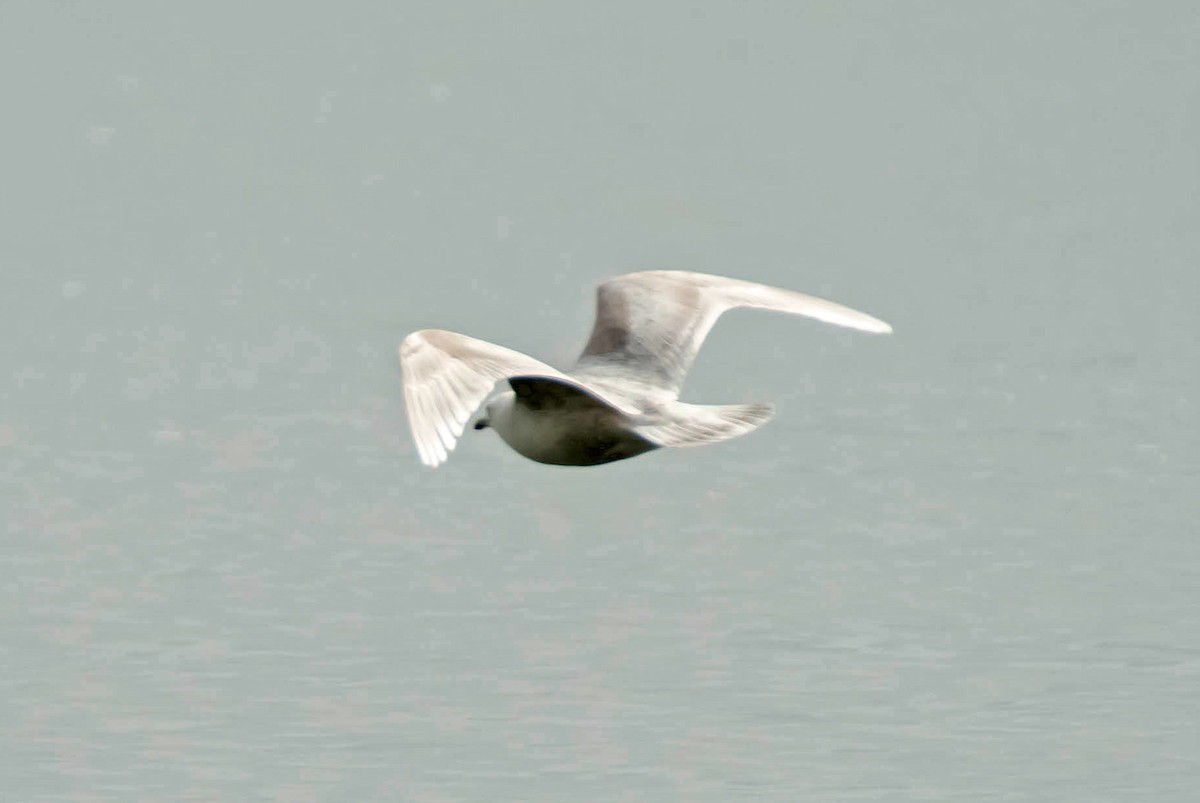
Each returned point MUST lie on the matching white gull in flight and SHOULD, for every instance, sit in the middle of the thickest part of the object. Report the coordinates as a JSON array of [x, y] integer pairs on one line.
[[622, 396]]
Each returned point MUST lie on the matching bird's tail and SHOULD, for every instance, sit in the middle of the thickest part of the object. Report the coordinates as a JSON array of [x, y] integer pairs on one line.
[[698, 424]]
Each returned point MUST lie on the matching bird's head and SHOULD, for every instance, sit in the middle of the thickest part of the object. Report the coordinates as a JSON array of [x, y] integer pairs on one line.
[[496, 410]]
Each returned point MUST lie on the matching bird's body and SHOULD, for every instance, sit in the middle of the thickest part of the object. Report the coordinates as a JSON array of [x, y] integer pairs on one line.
[[621, 398], [551, 422]]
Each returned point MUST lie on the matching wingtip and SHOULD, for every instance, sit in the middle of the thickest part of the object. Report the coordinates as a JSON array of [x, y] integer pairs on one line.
[[430, 457]]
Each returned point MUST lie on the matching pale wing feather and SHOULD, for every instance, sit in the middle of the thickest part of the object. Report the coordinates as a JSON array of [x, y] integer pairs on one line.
[[655, 322], [772, 298], [446, 377]]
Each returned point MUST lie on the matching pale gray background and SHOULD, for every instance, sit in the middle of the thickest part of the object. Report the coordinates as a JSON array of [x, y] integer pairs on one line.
[[960, 565]]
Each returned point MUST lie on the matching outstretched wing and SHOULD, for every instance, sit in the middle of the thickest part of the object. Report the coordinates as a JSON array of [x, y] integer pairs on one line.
[[654, 322], [446, 377]]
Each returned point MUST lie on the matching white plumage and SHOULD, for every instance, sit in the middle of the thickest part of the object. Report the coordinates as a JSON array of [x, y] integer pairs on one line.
[[621, 397]]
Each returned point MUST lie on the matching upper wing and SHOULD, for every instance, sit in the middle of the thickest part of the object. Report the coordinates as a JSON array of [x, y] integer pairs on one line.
[[446, 377], [654, 322]]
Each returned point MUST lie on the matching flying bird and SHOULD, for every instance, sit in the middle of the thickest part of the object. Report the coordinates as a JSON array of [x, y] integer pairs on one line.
[[621, 398]]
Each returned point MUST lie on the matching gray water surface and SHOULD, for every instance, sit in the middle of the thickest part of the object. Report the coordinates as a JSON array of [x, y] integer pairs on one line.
[[960, 565]]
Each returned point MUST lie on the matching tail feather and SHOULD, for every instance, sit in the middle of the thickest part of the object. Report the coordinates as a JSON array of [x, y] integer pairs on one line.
[[698, 424]]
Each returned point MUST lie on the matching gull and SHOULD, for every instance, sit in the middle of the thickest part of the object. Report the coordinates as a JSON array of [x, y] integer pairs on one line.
[[621, 398]]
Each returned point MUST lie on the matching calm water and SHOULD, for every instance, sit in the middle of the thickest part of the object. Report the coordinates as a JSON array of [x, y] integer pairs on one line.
[[960, 565]]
